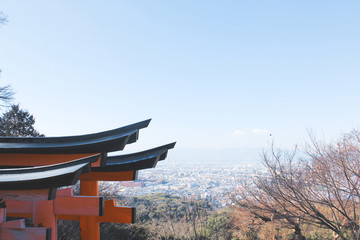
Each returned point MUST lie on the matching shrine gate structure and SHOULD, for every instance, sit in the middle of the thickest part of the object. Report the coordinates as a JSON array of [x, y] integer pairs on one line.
[[33, 169]]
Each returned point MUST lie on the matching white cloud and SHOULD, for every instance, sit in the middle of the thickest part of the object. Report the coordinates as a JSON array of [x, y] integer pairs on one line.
[[260, 131], [239, 133]]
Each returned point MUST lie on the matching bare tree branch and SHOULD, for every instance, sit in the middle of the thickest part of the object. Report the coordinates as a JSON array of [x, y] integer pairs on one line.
[[321, 189]]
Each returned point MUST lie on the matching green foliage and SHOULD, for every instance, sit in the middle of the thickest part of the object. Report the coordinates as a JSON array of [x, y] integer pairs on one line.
[[218, 226], [18, 122], [163, 216], [162, 206]]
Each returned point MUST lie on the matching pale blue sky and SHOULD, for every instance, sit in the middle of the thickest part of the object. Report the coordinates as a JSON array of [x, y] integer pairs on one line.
[[211, 74]]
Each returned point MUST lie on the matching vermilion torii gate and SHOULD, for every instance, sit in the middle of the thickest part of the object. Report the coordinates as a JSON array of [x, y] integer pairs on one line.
[[85, 155]]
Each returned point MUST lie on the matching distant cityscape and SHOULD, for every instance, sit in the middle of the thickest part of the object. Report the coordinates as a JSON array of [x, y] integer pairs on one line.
[[215, 183]]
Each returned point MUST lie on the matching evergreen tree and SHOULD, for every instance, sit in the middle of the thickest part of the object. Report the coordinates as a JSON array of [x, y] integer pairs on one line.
[[18, 122]]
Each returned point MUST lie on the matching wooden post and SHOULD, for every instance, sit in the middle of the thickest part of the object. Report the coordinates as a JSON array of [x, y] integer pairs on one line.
[[43, 216], [90, 228], [2, 211], [2, 215]]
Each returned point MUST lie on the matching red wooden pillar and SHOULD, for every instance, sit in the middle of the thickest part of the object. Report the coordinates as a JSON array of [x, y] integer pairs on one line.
[[2, 215], [90, 228], [44, 216], [2, 211]]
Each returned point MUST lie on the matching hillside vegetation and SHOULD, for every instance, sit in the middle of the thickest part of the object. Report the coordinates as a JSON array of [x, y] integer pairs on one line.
[[162, 216]]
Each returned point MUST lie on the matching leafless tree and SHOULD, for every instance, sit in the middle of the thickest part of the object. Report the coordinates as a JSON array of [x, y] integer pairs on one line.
[[3, 18], [319, 189], [6, 92], [6, 95]]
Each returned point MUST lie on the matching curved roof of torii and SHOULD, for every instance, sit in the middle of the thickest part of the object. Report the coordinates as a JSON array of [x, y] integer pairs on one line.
[[50, 176], [106, 141], [135, 161]]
